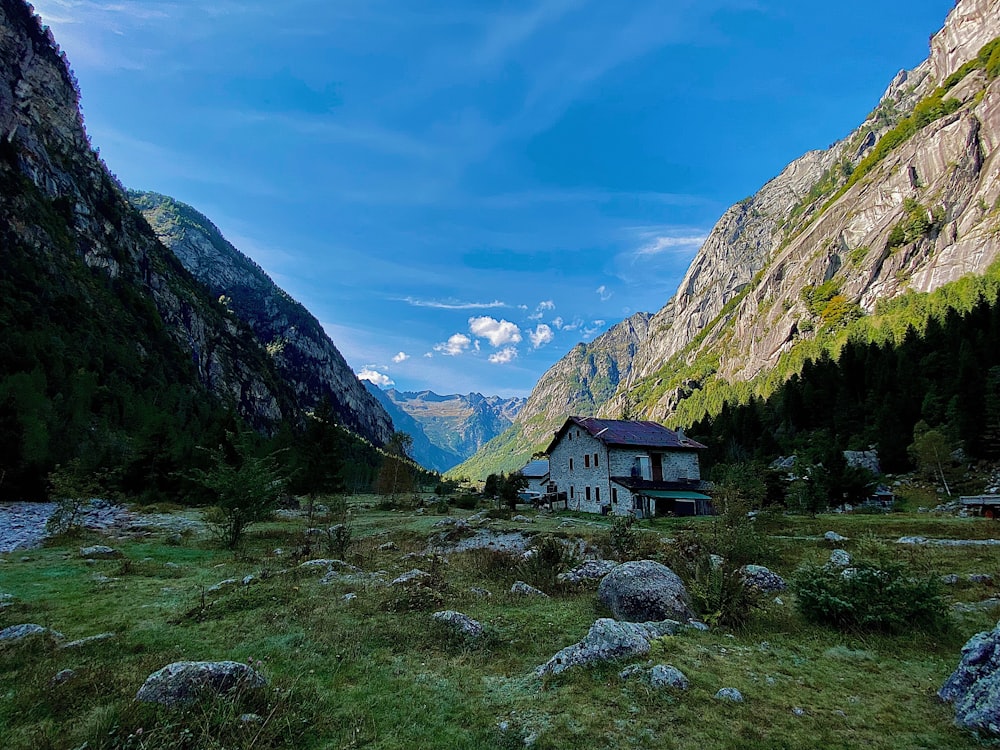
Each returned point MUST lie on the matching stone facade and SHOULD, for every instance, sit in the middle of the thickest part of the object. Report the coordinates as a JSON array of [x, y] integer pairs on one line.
[[583, 467]]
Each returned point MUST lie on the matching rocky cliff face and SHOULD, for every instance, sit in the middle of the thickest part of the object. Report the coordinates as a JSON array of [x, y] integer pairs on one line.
[[303, 354], [61, 213], [816, 247], [925, 214]]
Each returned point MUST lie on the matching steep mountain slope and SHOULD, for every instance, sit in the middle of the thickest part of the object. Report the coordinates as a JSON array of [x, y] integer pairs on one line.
[[302, 352], [908, 202], [423, 451], [577, 384], [104, 330]]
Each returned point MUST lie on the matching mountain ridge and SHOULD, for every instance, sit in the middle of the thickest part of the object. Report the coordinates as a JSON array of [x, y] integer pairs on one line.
[[301, 350], [907, 202]]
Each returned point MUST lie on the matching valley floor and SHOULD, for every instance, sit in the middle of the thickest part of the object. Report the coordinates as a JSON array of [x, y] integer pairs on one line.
[[374, 670]]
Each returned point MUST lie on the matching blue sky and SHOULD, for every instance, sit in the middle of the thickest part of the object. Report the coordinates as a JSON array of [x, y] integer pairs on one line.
[[462, 191]]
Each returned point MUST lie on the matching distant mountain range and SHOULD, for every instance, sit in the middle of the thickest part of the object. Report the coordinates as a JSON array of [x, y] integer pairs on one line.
[[447, 430], [907, 203]]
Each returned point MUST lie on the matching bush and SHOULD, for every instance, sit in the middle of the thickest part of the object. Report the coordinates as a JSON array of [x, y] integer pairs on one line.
[[546, 560], [719, 592], [465, 502], [868, 597], [624, 541]]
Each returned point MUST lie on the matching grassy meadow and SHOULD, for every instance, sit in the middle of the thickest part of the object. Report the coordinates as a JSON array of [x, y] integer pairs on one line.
[[375, 671]]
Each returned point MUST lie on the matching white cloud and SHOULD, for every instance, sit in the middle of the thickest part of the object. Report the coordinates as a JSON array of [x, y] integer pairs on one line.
[[535, 316], [604, 293], [401, 357], [577, 323], [504, 356], [376, 377], [558, 322], [454, 346], [453, 304], [658, 245], [593, 328], [546, 305], [497, 332], [541, 336]]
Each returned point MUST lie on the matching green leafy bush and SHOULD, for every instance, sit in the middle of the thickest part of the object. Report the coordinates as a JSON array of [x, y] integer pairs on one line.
[[868, 597], [718, 589]]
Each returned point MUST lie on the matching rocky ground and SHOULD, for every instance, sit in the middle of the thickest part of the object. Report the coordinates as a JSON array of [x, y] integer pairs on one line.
[[22, 525]]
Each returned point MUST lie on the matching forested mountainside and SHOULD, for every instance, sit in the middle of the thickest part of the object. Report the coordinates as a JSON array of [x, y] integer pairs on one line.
[[906, 204], [302, 352], [448, 429], [114, 358]]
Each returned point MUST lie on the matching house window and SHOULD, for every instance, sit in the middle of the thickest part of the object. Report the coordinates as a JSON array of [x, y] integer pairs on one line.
[[595, 460], [571, 492], [642, 468], [571, 464], [614, 495], [597, 494], [587, 493], [586, 461]]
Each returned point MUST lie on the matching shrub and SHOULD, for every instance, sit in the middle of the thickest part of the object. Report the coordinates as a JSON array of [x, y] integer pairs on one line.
[[867, 597], [465, 502], [624, 541], [718, 589], [546, 560]]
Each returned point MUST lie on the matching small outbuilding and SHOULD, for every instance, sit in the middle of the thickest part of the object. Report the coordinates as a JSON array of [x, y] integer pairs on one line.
[[537, 474]]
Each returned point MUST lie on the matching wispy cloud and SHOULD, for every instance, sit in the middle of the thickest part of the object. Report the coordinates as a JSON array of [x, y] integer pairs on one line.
[[604, 293], [453, 304], [497, 332], [683, 245], [401, 357]]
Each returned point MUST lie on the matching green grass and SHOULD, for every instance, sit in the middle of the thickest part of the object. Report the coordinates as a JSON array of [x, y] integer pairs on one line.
[[377, 672]]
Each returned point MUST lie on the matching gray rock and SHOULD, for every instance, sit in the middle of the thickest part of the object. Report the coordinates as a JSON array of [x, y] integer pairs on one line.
[[415, 577], [645, 591], [63, 675], [833, 536], [480, 591], [839, 558], [762, 579], [949, 580], [388, 547], [589, 571], [632, 671], [911, 540], [325, 565], [183, 682], [460, 624], [667, 676], [221, 585], [349, 597], [981, 578], [248, 579], [974, 686], [89, 640], [729, 694], [17, 633], [522, 519], [100, 552], [520, 588], [607, 640]]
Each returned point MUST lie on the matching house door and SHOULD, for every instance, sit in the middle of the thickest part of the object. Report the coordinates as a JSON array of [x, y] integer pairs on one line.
[[657, 460]]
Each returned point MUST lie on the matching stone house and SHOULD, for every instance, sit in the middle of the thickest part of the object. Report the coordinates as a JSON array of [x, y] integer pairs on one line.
[[626, 467], [537, 474]]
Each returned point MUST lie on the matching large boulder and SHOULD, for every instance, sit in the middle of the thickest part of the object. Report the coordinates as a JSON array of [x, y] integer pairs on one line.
[[590, 571], [606, 640], [974, 687], [645, 591], [764, 580], [28, 630], [184, 682]]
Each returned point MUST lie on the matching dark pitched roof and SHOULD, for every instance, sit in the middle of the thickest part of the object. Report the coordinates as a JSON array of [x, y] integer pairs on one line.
[[623, 432], [538, 468]]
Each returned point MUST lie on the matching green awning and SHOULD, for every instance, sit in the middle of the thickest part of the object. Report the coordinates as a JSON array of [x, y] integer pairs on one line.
[[673, 494]]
